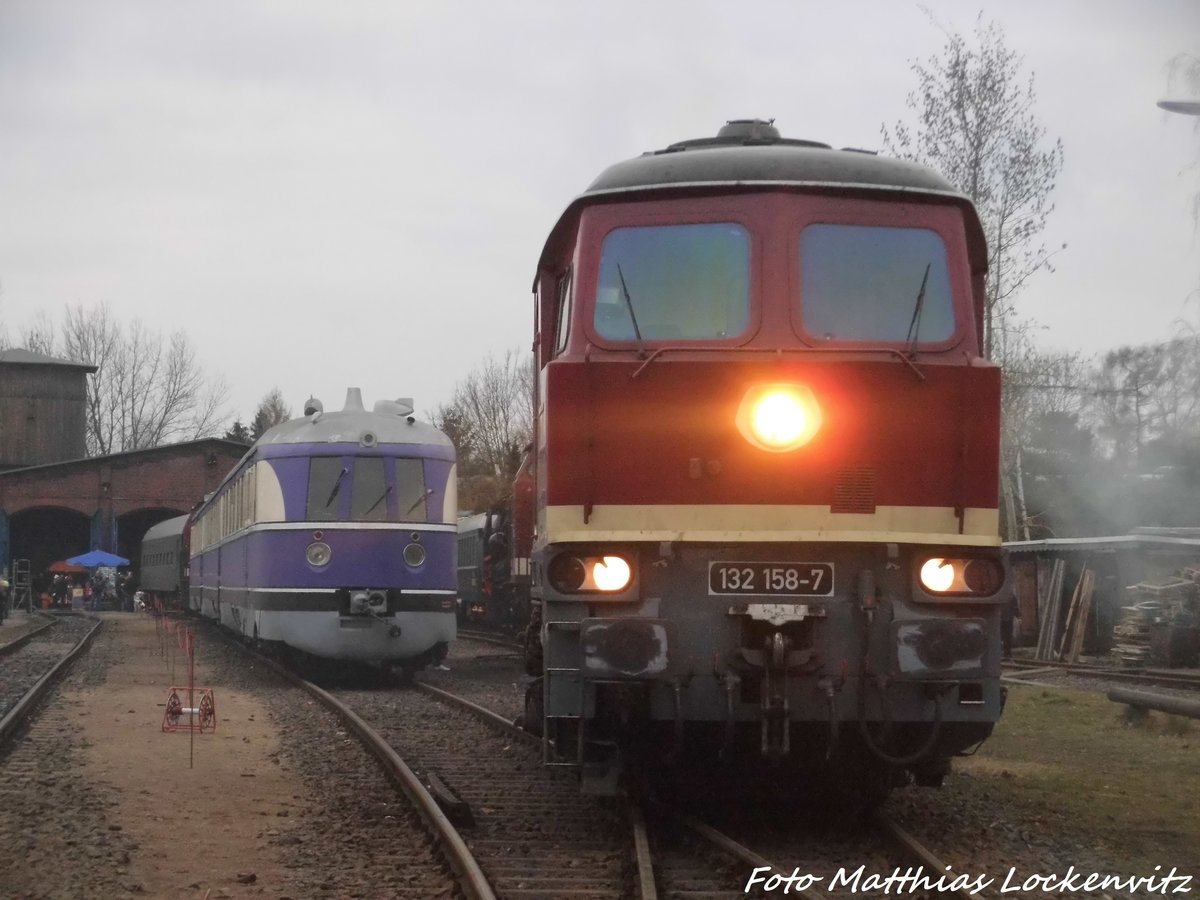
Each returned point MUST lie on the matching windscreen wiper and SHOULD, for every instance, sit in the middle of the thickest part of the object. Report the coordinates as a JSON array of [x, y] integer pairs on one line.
[[914, 326], [337, 486], [632, 317], [382, 497], [419, 500]]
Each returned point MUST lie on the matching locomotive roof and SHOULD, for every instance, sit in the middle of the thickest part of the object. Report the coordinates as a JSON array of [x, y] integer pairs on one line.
[[751, 153], [748, 151]]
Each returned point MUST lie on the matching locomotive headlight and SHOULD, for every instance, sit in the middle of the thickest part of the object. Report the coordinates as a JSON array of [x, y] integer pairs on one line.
[[937, 575], [779, 417], [611, 573], [570, 574], [318, 554], [977, 576]]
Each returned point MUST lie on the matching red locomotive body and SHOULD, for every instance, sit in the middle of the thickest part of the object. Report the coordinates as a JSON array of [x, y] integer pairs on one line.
[[766, 463]]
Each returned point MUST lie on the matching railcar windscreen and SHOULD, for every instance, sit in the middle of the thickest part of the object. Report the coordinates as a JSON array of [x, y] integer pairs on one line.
[[677, 282], [862, 283], [374, 497], [368, 498], [326, 478], [410, 490]]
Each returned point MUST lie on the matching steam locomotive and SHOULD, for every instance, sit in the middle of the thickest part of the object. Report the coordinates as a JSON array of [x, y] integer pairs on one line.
[[766, 461]]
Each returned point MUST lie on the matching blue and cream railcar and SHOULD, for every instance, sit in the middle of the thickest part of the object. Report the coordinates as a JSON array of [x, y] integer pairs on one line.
[[335, 535]]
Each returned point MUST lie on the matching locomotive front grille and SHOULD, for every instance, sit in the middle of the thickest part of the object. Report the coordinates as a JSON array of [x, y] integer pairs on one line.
[[854, 491]]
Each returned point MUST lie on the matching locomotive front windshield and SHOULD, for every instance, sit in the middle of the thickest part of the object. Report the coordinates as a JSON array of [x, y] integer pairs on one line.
[[674, 282], [873, 283], [377, 489]]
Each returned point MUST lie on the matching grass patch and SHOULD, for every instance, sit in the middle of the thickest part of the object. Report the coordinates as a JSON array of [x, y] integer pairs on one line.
[[1126, 784]]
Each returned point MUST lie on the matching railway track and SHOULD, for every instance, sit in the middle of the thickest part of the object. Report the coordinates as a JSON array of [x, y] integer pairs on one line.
[[1030, 670], [33, 663], [680, 855]]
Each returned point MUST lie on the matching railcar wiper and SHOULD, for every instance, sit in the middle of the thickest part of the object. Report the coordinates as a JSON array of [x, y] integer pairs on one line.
[[914, 326], [632, 317], [382, 497], [337, 486], [421, 499]]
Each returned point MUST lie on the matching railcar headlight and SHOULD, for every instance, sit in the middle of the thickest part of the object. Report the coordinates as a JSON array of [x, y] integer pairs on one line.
[[570, 574], [318, 554], [978, 576], [779, 417], [414, 555]]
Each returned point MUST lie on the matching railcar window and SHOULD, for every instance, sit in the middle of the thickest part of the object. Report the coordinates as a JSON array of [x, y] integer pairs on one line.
[[681, 282], [861, 283], [368, 498], [326, 479], [410, 490]]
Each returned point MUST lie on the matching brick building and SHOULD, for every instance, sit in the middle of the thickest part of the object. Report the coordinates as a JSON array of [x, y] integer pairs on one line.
[[54, 511]]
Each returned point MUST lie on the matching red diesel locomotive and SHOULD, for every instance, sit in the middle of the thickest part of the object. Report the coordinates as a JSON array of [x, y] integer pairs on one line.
[[766, 462]]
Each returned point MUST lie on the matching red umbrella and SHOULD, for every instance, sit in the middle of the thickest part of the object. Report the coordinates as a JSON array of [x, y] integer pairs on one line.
[[65, 568]]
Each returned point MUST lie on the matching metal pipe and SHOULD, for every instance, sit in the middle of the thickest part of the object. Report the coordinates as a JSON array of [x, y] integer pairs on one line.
[[1176, 706]]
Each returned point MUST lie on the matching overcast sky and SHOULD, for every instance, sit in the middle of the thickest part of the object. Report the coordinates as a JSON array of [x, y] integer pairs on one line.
[[333, 194]]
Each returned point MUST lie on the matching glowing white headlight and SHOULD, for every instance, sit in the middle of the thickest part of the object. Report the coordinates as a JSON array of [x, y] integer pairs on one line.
[[779, 417], [611, 574], [937, 575]]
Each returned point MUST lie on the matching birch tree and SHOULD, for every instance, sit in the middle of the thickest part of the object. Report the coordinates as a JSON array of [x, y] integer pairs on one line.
[[973, 120], [975, 123]]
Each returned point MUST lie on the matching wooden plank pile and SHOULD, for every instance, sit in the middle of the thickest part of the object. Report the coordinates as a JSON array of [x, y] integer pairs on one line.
[[1051, 646], [1150, 602]]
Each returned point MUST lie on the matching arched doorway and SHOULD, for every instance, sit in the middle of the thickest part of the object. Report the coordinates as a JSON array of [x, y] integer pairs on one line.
[[132, 527], [44, 535]]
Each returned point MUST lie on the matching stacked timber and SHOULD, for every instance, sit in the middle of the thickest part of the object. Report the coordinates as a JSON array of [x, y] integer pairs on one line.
[[1131, 634], [1148, 604]]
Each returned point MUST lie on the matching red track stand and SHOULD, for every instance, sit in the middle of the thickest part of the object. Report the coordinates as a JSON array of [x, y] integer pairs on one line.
[[201, 717]]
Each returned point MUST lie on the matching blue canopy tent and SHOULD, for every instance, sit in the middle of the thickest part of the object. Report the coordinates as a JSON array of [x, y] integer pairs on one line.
[[97, 558]]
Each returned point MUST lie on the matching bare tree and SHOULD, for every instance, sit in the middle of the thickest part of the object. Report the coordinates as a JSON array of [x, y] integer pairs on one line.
[[145, 392], [271, 411], [490, 420], [40, 336], [975, 124]]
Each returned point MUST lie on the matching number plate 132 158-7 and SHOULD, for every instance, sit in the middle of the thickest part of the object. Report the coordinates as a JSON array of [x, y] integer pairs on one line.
[[803, 579]]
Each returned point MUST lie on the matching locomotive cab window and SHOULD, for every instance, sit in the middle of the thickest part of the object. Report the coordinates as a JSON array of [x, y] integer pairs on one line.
[[563, 311], [674, 283], [875, 283]]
